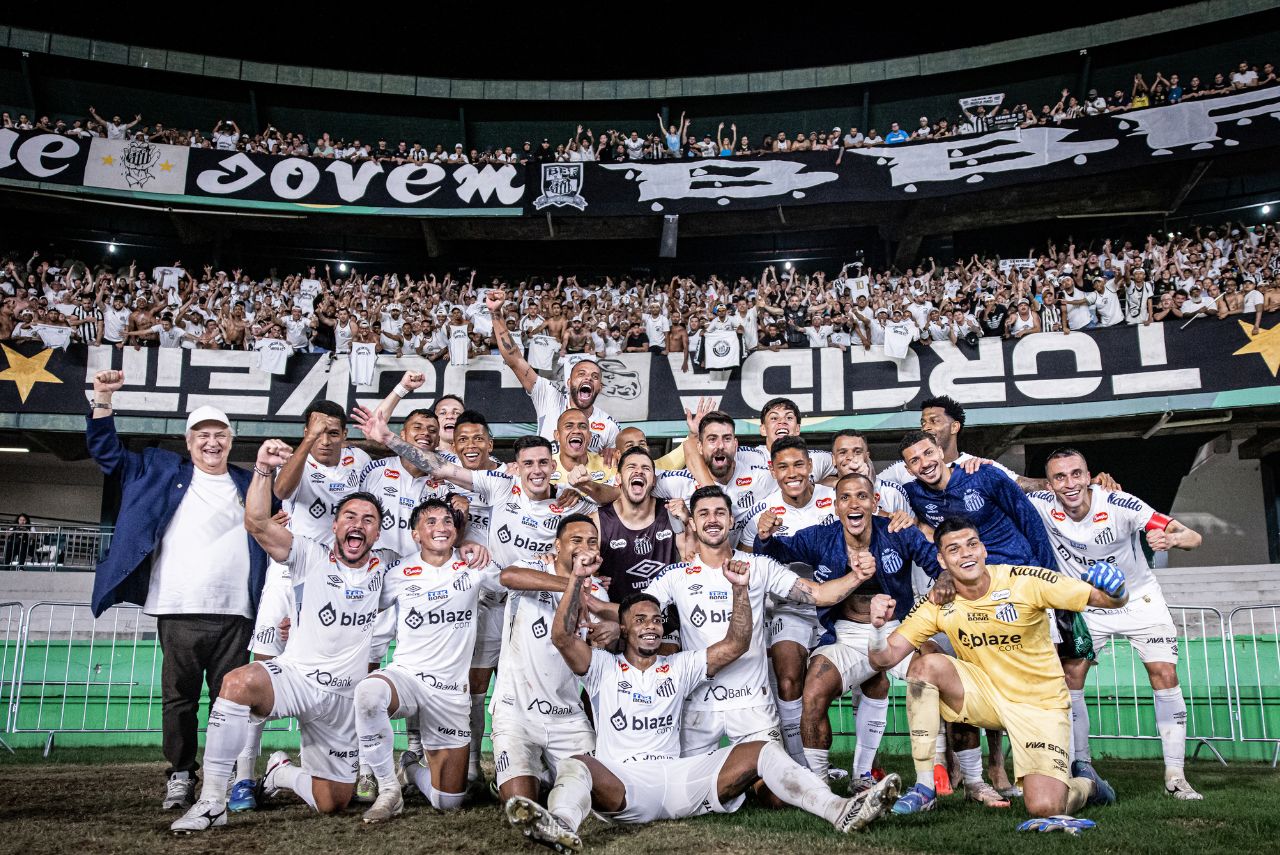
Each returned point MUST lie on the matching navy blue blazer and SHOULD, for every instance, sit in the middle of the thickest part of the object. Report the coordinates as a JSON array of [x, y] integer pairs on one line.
[[152, 485]]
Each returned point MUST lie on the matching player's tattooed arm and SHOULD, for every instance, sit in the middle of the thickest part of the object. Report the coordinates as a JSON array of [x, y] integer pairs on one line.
[[569, 615], [374, 425], [862, 567], [738, 638]]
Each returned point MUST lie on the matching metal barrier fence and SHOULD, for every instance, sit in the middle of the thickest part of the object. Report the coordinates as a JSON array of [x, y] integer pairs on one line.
[[62, 671], [60, 547], [1255, 670]]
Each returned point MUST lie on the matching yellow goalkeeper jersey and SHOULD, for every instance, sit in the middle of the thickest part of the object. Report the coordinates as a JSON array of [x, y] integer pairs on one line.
[[1006, 631]]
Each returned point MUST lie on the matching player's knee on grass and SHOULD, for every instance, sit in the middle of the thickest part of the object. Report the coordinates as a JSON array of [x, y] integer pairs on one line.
[[331, 796], [1044, 796]]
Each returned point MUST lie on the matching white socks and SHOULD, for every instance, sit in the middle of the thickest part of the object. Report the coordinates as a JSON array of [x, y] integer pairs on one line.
[[1171, 723], [1079, 726], [412, 734], [224, 739], [247, 762], [477, 736], [872, 713], [570, 799], [796, 785], [940, 745], [971, 764], [819, 760], [789, 713], [290, 777], [373, 726]]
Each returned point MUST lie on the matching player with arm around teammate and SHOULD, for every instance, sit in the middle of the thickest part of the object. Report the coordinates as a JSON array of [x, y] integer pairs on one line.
[[435, 595], [1005, 673], [314, 679], [1089, 525], [637, 774]]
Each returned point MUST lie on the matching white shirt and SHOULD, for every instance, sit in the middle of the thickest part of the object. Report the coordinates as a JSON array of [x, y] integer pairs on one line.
[[225, 142], [656, 329], [1108, 532], [704, 598], [399, 493], [533, 680], [335, 607], [202, 565], [114, 323], [642, 708], [436, 617], [271, 354], [551, 400], [314, 502], [1078, 317], [523, 528]]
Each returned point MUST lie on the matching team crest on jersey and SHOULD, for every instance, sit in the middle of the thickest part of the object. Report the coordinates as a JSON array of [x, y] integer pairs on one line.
[[890, 561], [412, 571], [667, 689], [1057, 515], [502, 762], [1007, 613], [1104, 537], [351, 478], [972, 501], [1101, 517], [745, 481], [642, 546], [551, 524], [825, 503]]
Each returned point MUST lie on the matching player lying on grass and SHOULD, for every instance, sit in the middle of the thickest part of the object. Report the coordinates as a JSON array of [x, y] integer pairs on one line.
[[637, 696], [1005, 675]]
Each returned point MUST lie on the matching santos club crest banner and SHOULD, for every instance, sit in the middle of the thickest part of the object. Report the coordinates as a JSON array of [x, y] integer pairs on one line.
[[1041, 377], [1199, 129]]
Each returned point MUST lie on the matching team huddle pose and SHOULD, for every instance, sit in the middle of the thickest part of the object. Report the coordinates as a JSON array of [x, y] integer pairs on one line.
[[665, 638]]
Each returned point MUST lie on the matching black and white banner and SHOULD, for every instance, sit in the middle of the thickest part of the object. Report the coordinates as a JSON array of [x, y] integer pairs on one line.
[[1208, 364], [1202, 128]]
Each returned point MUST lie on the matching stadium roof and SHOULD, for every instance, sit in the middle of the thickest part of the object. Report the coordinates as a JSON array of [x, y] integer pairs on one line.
[[522, 44]]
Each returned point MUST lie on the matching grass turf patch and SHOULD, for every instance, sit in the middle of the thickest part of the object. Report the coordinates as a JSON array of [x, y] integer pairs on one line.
[[106, 801]]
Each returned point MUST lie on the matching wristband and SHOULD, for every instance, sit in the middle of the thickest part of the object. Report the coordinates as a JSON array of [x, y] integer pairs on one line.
[[879, 637], [99, 405], [400, 391], [270, 473]]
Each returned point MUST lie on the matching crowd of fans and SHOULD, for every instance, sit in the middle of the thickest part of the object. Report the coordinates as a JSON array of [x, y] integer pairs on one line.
[[1228, 271], [674, 140]]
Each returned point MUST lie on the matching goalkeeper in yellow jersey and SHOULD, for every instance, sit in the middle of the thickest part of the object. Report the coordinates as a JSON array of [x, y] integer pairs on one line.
[[1005, 675]]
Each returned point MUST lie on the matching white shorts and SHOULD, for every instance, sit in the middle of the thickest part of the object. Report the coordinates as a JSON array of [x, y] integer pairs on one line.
[[849, 653], [1145, 621], [275, 604], [534, 747], [444, 716], [785, 624], [489, 618], [702, 729], [326, 722], [671, 789], [384, 632]]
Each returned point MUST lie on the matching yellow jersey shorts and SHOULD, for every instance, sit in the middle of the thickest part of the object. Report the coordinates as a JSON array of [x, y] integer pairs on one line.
[[1039, 736]]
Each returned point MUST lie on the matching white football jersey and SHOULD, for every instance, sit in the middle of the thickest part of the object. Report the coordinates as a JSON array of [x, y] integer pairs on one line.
[[521, 528], [436, 617], [333, 623], [822, 462], [479, 515], [819, 511], [314, 502], [550, 400], [400, 493], [533, 679], [749, 483], [704, 598], [637, 713], [898, 474], [1108, 532]]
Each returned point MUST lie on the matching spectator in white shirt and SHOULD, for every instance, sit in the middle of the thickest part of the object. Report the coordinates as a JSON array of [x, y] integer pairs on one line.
[[1107, 303], [117, 130]]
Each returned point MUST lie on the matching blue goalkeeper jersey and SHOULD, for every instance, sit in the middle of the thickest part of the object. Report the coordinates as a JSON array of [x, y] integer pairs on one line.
[[1007, 522]]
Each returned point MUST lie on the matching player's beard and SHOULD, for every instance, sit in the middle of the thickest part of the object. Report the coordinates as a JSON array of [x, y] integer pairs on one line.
[[642, 650], [362, 549]]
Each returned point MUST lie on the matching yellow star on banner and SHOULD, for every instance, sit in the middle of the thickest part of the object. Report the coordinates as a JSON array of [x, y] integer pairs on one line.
[[25, 372], [108, 160], [166, 167], [1266, 344]]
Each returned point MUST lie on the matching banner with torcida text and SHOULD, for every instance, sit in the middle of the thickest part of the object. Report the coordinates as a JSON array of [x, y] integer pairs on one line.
[[1040, 378], [1201, 129]]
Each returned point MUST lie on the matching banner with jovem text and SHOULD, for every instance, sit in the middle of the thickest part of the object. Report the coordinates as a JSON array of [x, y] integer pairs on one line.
[[1207, 364], [1199, 129]]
